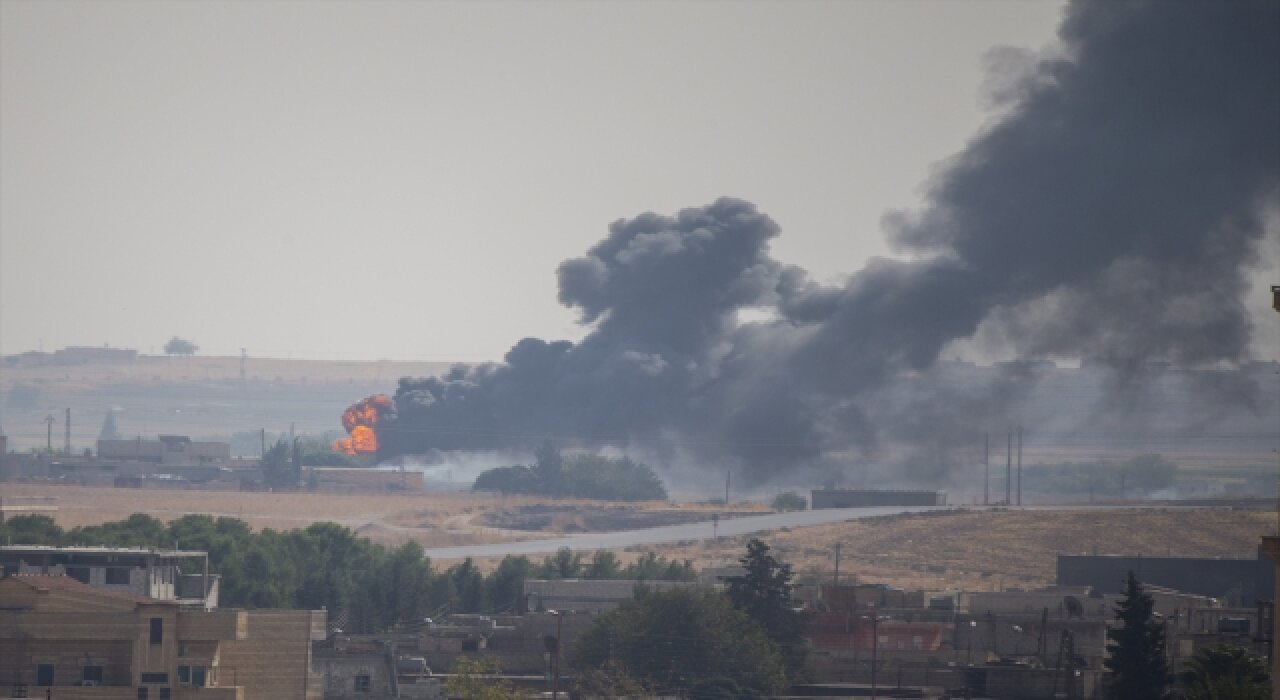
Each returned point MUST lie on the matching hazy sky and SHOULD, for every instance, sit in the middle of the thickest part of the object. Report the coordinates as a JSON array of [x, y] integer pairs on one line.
[[400, 180]]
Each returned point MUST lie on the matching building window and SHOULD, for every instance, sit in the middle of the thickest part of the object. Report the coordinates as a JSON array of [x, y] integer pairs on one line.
[[184, 674], [155, 678], [157, 630], [164, 694], [142, 694], [362, 683], [44, 674], [197, 676], [117, 576], [91, 675], [79, 573]]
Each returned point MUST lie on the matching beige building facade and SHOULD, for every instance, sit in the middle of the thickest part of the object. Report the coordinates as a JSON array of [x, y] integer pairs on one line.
[[80, 642]]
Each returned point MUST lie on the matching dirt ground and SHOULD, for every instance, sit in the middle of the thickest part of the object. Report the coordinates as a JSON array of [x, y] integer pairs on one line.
[[971, 550]]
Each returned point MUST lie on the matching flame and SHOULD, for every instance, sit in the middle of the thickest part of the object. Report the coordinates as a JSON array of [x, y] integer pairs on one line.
[[361, 421]]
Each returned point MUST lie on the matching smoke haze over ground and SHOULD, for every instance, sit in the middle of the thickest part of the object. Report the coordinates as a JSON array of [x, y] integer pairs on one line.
[[1110, 213]]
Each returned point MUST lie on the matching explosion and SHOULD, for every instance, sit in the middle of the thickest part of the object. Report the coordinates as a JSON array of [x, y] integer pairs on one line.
[[361, 421]]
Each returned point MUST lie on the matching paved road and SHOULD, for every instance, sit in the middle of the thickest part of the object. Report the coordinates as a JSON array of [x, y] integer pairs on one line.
[[743, 525]]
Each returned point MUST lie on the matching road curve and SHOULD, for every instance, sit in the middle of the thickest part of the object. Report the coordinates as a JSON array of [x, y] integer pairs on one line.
[[727, 527]]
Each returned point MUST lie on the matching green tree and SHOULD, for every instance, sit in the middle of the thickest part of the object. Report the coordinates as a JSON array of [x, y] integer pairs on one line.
[[1136, 646], [469, 584], [138, 530], [604, 565], [517, 479], [548, 468], [32, 529], [763, 591], [673, 641], [476, 679], [1226, 673], [651, 567], [563, 564], [576, 476], [279, 468], [178, 346], [505, 586]]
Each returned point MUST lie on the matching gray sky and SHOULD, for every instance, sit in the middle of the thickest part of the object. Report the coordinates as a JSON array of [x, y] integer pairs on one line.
[[400, 180]]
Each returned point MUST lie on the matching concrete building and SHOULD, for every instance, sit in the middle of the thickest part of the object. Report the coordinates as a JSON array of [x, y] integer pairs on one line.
[[1239, 582], [74, 641], [168, 450], [1271, 548], [158, 574], [582, 595], [870, 498], [373, 668]]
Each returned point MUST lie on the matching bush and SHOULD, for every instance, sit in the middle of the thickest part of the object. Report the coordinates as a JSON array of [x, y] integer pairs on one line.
[[576, 476]]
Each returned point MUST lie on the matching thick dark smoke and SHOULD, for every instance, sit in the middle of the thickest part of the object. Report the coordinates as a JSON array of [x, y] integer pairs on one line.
[[1111, 212]]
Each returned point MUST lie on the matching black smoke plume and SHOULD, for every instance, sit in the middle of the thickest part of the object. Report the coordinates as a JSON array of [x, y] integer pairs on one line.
[[1111, 212]]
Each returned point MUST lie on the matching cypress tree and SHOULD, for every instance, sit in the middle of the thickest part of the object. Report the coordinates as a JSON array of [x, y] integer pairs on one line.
[[1139, 669]]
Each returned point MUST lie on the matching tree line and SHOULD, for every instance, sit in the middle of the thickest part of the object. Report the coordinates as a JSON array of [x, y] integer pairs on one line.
[[368, 587], [576, 476]]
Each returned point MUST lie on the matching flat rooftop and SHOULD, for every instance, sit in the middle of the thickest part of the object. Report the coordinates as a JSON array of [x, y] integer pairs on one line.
[[134, 551]]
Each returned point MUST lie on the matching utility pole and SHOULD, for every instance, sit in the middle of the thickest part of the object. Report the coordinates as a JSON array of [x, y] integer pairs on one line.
[[263, 453], [66, 442], [875, 646], [727, 476], [1019, 465], [986, 469], [1008, 471], [555, 679], [49, 421], [1275, 304]]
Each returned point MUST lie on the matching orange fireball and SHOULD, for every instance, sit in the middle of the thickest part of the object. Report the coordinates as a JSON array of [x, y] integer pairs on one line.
[[361, 421]]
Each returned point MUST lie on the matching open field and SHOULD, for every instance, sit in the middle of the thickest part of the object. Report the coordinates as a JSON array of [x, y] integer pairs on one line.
[[431, 519], [994, 549], [959, 549]]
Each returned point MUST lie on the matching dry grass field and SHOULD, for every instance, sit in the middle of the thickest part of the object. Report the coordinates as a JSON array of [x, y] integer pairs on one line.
[[996, 549], [431, 519], [970, 550]]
